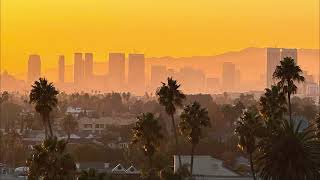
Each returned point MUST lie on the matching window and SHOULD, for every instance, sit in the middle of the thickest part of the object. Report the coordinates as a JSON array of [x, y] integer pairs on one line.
[[102, 126], [88, 126], [97, 126]]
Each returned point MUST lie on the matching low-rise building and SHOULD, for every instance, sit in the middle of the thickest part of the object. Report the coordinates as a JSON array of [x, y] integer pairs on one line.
[[97, 125]]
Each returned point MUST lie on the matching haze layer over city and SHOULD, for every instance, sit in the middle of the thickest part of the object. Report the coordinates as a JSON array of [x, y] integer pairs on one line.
[[160, 90]]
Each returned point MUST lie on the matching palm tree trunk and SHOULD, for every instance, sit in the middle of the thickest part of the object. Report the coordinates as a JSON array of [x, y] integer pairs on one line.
[[22, 125], [191, 164], [49, 125], [68, 137], [150, 162], [176, 139], [251, 166], [289, 105], [44, 121]]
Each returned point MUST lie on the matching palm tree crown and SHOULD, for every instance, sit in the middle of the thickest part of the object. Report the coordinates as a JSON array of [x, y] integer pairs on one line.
[[288, 72], [291, 154], [170, 96], [193, 118]]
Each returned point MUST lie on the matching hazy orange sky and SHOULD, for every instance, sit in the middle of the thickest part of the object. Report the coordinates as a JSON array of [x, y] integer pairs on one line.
[[153, 27]]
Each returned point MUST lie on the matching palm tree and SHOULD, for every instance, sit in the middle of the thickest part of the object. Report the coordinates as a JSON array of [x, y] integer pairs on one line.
[[193, 119], [44, 96], [147, 133], [171, 97], [291, 154], [248, 127], [50, 161], [273, 106], [287, 73], [69, 124]]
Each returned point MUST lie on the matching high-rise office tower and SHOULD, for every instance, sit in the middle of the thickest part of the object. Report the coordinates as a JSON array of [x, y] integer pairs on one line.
[[78, 70], [61, 66], [136, 73], [158, 75], [293, 53], [117, 71], [88, 66], [34, 67], [273, 60], [228, 76]]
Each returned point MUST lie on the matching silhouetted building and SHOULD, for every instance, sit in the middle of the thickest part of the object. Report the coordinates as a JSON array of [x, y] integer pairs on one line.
[[117, 70], [237, 79], [158, 75], [136, 73], [61, 65], [192, 80], [212, 85], [78, 70], [88, 66], [228, 76], [34, 67], [273, 60]]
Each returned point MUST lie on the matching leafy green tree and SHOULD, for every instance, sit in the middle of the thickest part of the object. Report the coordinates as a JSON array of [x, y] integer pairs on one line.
[[44, 96], [147, 133], [273, 106], [69, 125], [288, 73], [193, 119], [171, 97], [291, 154], [50, 161], [248, 128]]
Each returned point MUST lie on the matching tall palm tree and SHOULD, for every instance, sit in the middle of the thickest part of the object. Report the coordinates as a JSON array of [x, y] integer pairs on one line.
[[193, 119], [69, 125], [248, 128], [288, 73], [44, 96], [171, 97], [273, 107], [147, 133], [291, 154]]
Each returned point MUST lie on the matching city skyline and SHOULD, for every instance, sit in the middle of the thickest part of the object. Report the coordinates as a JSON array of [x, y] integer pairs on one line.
[[186, 29], [128, 72]]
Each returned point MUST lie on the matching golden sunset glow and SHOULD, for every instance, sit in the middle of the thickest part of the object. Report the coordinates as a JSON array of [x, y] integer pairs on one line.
[[154, 27]]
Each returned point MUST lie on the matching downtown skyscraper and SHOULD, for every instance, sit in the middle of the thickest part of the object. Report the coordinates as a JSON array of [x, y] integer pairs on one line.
[[88, 66], [228, 76], [61, 68], [78, 69], [117, 70], [136, 73], [34, 68]]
